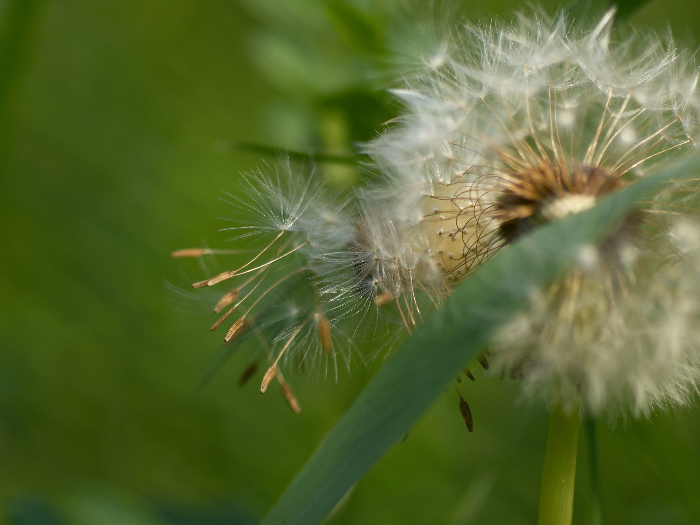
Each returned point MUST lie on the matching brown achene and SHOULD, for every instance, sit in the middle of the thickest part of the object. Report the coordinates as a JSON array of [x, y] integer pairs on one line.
[[548, 192]]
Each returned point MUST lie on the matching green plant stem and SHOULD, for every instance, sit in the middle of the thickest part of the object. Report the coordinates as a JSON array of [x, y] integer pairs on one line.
[[557, 495]]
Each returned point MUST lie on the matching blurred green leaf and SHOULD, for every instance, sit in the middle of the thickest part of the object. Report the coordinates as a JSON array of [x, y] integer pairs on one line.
[[411, 382], [318, 157], [359, 31], [109, 510], [16, 32], [625, 8], [303, 68], [585, 10]]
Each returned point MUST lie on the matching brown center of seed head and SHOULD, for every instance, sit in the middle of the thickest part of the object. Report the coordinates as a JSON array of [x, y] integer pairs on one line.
[[548, 192]]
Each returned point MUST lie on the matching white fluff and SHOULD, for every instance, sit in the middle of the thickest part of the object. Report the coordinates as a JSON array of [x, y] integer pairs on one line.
[[622, 331]]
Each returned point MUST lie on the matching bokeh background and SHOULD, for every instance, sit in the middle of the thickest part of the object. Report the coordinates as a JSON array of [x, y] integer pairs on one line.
[[120, 123]]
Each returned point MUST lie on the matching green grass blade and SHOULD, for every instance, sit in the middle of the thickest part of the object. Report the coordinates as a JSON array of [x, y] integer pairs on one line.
[[421, 369]]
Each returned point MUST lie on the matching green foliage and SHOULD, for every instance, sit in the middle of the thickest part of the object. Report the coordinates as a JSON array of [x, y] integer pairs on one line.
[[113, 114]]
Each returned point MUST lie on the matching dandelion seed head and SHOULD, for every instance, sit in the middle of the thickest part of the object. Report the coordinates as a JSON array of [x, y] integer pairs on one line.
[[527, 123], [506, 127]]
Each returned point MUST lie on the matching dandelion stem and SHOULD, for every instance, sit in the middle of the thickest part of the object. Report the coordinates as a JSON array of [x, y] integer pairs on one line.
[[557, 495]]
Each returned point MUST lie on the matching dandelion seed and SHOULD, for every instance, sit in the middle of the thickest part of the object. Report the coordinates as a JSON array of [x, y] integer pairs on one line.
[[324, 333], [190, 252], [237, 327], [199, 252], [289, 396], [222, 319], [227, 299], [220, 278], [383, 298], [268, 377]]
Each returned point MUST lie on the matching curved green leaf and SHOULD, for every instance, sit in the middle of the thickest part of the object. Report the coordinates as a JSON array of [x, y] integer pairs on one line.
[[416, 376]]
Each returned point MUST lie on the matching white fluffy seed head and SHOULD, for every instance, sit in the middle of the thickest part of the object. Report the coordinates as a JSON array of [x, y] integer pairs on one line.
[[625, 351], [524, 124], [506, 127]]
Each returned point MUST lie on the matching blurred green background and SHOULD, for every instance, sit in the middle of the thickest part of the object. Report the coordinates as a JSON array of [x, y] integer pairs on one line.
[[119, 122]]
